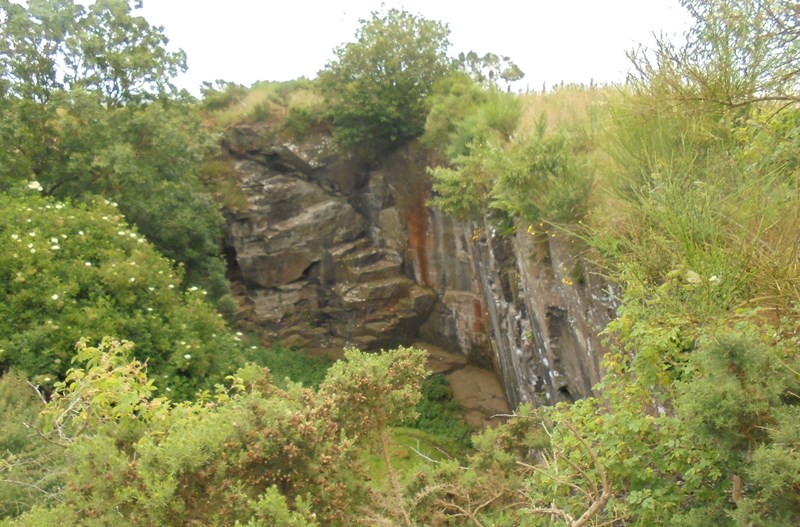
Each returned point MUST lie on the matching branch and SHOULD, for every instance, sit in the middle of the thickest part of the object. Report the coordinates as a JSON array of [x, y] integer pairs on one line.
[[601, 501]]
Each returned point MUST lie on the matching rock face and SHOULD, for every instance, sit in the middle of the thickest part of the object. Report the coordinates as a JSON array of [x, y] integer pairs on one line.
[[330, 252], [312, 274]]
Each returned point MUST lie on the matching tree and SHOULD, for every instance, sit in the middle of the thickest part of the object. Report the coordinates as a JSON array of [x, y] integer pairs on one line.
[[378, 86], [490, 69], [736, 53], [89, 109], [54, 45]]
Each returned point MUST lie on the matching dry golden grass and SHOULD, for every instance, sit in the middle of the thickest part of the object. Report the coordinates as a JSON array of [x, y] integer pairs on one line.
[[268, 102], [568, 106]]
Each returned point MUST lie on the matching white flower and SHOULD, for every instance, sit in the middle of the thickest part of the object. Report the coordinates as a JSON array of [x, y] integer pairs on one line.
[[714, 279], [168, 389], [80, 233], [47, 379], [54, 240], [59, 206], [193, 288], [253, 347], [238, 333], [32, 233], [149, 309], [171, 286], [151, 288], [121, 233], [140, 240], [55, 247], [15, 237], [87, 264], [132, 279], [187, 356], [33, 251], [133, 235], [35, 185], [55, 296]]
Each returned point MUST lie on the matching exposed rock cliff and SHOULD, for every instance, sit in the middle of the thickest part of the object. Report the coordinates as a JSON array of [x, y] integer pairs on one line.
[[331, 252]]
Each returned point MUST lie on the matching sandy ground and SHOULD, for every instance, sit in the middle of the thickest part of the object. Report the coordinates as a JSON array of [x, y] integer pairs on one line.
[[478, 390]]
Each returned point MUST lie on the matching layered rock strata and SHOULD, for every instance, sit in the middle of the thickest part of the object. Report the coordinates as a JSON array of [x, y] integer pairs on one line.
[[330, 252]]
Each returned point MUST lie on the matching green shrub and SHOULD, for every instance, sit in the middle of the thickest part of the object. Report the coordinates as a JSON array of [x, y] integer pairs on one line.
[[377, 87], [438, 414], [74, 271], [543, 179], [290, 363]]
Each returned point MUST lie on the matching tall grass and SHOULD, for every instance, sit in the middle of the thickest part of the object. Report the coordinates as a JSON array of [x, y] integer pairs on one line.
[[265, 102]]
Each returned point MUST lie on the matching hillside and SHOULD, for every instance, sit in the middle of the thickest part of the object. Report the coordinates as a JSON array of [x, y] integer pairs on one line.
[[623, 259]]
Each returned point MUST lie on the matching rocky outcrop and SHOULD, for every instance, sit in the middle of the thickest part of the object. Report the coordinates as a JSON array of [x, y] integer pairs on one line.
[[312, 274], [330, 252]]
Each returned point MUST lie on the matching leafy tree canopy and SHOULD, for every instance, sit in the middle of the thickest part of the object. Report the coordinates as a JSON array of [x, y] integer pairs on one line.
[[52, 45], [86, 112], [378, 85]]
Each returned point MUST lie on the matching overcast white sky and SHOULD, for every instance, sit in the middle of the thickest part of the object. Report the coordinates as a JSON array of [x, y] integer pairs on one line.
[[551, 40]]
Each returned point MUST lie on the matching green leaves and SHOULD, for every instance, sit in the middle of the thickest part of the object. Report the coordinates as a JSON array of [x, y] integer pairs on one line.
[[372, 390], [55, 45], [377, 86], [80, 271]]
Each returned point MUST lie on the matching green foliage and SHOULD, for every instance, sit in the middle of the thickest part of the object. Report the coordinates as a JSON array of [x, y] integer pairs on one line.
[[736, 54], [373, 390], [438, 414], [290, 365], [74, 271], [377, 87], [295, 106], [53, 45], [87, 113], [221, 94], [540, 179], [465, 115], [490, 69], [31, 470], [544, 181], [250, 454]]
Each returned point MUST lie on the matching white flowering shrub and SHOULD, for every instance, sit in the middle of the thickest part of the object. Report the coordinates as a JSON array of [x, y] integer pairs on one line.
[[69, 272]]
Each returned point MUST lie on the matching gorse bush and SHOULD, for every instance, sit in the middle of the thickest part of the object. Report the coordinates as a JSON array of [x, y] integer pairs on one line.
[[540, 178], [545, 180], [246, 453]]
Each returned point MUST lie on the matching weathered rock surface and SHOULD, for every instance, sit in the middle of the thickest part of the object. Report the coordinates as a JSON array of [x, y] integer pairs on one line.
[[312, 275], [330, 252]]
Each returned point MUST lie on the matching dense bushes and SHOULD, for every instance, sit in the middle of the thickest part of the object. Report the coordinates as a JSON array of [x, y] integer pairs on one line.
[[74, 271]]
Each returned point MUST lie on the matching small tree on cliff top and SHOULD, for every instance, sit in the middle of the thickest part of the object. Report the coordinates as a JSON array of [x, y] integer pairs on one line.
[[377, 86]]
